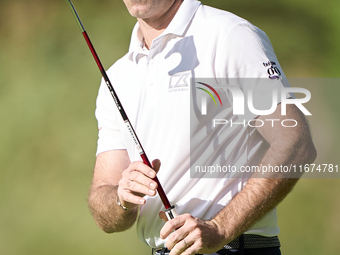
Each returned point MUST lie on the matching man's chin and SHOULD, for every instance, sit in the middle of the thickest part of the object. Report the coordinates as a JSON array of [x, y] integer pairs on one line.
[[140, 12]]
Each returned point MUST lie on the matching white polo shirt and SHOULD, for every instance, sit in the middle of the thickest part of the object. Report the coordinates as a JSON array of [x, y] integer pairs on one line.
[[155, 89]]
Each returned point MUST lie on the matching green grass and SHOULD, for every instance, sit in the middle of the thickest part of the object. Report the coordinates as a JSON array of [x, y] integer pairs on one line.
[[48, 87]]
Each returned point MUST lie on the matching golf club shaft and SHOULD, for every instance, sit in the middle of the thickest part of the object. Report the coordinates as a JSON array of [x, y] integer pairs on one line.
[[126, 120]]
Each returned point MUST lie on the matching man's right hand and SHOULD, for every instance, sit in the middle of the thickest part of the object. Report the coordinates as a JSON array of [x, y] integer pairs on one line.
[[114, 174], [136, 182]]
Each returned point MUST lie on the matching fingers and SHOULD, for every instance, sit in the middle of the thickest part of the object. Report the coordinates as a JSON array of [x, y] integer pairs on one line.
[[187, 235], [136, 182], [139, 166], [174, 224], [183, 247], [176, 230]]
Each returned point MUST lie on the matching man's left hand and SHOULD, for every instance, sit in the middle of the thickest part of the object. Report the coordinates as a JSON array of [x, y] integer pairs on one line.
[[188, 235]]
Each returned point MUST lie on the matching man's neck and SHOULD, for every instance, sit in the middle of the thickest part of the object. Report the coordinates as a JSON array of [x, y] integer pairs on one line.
[[151, 28]]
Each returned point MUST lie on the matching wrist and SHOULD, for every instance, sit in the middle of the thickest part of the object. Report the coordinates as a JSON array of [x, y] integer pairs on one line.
[[221, 232], [120, 204]]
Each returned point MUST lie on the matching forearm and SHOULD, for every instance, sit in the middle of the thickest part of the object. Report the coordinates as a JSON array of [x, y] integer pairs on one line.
[[109, 216], [261, 195], [258, 198]]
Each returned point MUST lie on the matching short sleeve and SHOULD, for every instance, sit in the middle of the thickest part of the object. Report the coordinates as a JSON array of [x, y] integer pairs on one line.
[[246, 52], [247, 58], [110, 136]]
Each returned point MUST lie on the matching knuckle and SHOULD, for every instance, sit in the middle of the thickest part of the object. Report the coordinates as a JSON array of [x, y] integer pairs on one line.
[[192, 224], [197, 233], [122, 184], [187, 216], [134, 175], [138, 164], [170, 224], [129, 185], [174, 237], [173, 223], [125, 173], [139, 167], [133, 166]]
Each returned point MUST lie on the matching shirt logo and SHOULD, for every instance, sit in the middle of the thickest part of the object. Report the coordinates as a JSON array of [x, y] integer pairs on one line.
[[273, 71], [179, 82]]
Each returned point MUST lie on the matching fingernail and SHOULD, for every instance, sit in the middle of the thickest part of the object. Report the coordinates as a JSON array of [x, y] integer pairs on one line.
[[153, 185], [152, 174]]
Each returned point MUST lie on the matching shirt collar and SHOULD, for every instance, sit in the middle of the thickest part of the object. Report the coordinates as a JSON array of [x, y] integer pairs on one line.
[[177, 26]]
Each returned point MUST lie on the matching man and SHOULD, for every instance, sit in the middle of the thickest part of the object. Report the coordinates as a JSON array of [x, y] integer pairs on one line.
[[173, 41]]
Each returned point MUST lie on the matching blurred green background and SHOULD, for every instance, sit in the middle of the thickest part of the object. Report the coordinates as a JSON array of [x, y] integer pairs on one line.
[[48, 87]]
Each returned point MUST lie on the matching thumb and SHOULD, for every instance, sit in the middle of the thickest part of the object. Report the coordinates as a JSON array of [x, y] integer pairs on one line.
[[162, 215], [156, 164]]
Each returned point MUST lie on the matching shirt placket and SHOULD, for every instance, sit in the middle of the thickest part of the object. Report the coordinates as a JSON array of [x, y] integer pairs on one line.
[[153, 68]]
